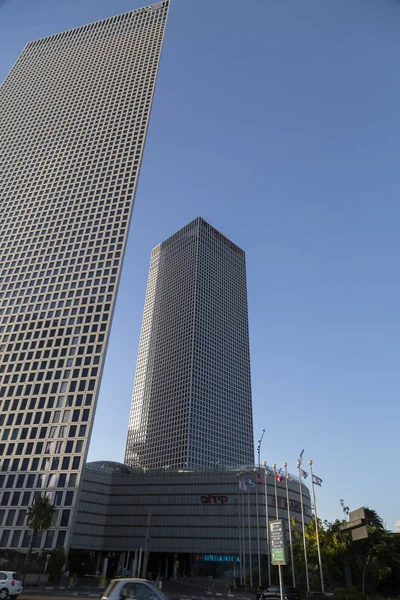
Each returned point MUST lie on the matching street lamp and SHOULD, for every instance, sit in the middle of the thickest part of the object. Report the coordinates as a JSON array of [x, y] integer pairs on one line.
[[259, 448]]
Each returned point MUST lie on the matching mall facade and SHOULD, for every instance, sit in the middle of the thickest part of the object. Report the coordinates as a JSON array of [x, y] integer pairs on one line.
[[178, 522]]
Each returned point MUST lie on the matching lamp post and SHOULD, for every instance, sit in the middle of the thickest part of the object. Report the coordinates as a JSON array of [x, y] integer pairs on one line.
[[259, 448], [267, 521], [240, 529], [257, 516], [242, 540], [276, 493]]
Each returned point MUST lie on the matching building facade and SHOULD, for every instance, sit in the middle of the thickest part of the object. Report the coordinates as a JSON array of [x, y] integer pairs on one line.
[[74, 114], [191, 405], [189, 517]]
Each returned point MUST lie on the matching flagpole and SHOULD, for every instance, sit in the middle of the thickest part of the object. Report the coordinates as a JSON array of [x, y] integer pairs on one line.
[[276, 494], [258, 532], [304, 529], [267, 522], [289, 525], [239, 529], [316, 529], [243, 538], [250, 557]]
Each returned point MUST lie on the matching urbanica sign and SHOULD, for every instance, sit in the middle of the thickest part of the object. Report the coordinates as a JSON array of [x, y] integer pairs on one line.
[[278, 543], [219, 558]]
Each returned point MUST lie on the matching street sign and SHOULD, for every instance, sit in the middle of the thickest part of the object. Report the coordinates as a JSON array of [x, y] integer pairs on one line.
[[278, 543]]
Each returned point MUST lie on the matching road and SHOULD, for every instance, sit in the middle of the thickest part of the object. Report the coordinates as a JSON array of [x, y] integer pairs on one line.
[[173, 593]]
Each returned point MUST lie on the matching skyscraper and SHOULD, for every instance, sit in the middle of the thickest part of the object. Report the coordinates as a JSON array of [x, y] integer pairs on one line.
[[191, 405], [74, 114]]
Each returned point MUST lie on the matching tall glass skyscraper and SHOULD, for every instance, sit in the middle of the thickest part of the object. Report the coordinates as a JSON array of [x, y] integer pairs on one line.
[[191, 405], [74, 111]]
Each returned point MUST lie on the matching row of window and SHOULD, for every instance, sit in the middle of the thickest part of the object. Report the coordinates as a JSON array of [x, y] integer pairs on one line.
[[38, 405], [12, 539], [27, 464]]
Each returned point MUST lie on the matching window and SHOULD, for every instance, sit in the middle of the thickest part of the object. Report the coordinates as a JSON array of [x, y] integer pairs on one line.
[[4, 537], [64, 518], [15, 539]]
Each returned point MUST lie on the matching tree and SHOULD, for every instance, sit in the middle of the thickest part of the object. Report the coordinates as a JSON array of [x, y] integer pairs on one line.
[[40, 515], [372, 562], [335, 546], [376, 556], [56, 563]]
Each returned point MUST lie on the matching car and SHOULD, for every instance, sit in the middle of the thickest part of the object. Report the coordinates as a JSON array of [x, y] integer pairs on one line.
[[289, 593], [10, 585], [131, 587]]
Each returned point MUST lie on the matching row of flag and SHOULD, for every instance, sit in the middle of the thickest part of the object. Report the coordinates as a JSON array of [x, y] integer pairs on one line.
[[243, 485]]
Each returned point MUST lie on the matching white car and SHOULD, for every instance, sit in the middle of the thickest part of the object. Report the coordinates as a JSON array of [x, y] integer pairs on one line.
[[135, 589], [10, 585]]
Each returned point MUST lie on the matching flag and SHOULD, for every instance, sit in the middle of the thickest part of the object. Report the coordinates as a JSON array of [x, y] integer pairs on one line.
[[288, 477], [279, 477], [304, 474], [251, 483], [316, 480], [242, 485], [260, 478]]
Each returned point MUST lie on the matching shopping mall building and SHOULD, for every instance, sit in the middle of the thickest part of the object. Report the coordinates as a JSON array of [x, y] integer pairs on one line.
[[178, 522]]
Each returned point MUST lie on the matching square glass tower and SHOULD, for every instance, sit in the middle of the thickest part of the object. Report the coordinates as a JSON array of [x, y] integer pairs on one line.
[[74, 114], [191, 405]]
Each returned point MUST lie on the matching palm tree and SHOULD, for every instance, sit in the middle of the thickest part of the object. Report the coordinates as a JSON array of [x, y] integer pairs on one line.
[[40, 515]]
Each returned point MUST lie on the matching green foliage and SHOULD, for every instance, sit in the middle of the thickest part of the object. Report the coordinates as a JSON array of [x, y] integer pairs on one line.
[[55, 564], [40, 515], [373, 563]]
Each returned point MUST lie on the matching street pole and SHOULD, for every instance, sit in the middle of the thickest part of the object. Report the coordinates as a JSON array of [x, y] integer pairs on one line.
[[48, 556], [134, 564], [289, 525], [239, 530], [257, 515], [304, 529], [250, 557], [258, 533], [146, 545], [280, 581], [243, 538], [316, 529], [267, 521], [276, 494]]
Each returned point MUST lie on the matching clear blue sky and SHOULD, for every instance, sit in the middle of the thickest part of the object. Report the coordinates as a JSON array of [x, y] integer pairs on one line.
[[278, 122]]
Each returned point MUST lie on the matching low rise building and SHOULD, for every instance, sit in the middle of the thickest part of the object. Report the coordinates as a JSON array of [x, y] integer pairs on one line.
[[180, 522]]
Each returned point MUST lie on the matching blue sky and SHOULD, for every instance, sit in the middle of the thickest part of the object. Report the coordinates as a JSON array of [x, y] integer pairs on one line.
[[277, 121]]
